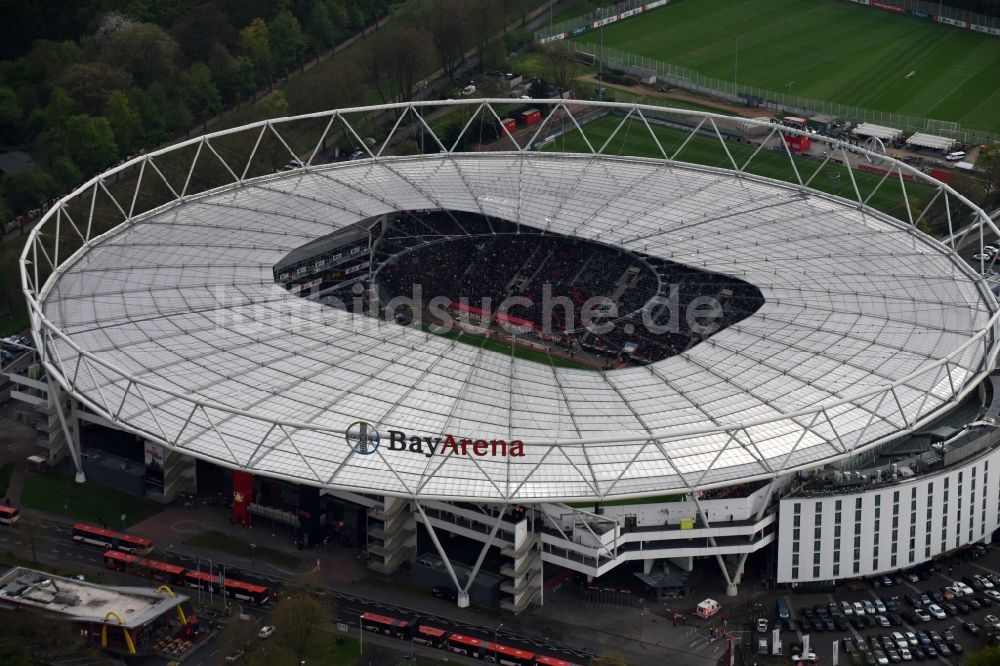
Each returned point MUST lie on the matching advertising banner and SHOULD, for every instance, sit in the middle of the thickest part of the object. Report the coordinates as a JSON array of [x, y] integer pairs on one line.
[[951, 21], [655, 4], [604, 21], [887, 7], [553, 38], [983, 28], [630, 12], [154, 465]]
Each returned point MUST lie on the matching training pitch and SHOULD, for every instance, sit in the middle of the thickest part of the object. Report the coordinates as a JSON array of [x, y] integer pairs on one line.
[[828, 50]]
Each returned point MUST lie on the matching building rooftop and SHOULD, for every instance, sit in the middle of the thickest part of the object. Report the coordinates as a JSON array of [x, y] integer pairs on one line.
[[78, 600]]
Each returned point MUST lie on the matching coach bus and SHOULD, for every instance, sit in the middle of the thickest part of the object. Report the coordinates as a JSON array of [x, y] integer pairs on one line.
[[109, 539], [390, 626], [244, 591], [430, 636], [161, 571], [9, 515]]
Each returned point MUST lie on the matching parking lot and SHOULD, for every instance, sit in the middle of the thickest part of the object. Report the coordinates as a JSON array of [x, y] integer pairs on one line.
[[896, 609]]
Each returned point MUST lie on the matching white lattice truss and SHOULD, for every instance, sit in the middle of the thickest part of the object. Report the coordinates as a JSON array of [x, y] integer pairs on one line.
[[170, 324]]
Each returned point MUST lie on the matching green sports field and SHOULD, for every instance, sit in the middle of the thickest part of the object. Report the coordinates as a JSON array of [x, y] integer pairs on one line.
[[828, 50]]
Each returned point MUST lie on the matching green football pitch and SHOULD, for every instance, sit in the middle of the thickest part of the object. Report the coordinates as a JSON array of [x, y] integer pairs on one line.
[[827, 50]]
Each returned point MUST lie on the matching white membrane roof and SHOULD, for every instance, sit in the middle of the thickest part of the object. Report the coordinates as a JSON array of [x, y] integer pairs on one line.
[[254, 377]]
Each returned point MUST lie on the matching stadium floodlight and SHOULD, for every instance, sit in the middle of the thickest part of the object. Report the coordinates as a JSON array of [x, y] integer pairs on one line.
[[152, 302]]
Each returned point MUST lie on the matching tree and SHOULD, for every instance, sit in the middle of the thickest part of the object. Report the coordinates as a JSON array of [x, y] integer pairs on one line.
[[241, 637], [255, 44], [447, 20], [24, 190], [153, 123], [144, 50], [11, 114], [90, 142], [609, 659], [563, 65], [287, 41], [396, 61], [988, 165], [299, 618], [272, 105], [988, 656], [46, 58], [32, 633], [483, 26], [90, 84], [200, 29], [126, 123], [247, 85], [225, 72], [200, 93], [320, 28], [66, 173]]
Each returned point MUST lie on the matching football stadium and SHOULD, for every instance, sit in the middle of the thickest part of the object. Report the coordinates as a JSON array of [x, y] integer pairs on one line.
[[572, 361]]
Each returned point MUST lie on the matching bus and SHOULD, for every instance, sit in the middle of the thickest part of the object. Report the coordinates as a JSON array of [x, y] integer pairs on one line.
[[161, 571], [9, 515], [542, 660], [243, 591], [509, 656], [430, 636], [467, 645], [390, 626], [109, 539]]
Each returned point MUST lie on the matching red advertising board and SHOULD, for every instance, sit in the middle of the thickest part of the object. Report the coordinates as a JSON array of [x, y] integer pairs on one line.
[[887, 7]]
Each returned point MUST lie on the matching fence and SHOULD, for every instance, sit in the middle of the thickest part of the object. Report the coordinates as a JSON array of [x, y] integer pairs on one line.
[[936, 11], [689, 79]]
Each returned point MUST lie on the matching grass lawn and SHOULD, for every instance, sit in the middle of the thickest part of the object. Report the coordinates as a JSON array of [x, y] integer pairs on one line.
[[634, 139], [525, 354], [624, 502], [59, 493], [827, 50], [5, 473], [225, 543]]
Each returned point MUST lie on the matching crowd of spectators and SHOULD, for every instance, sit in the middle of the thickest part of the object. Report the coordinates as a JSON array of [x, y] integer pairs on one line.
[[486, 261]]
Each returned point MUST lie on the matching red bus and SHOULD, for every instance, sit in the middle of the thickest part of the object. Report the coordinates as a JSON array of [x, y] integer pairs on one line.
[[238, 589], [202, 579], [9, 515], [390, 626], [431, 636], [508, 656], [542, 660], [108, 539], [167, 573], [467, 645]]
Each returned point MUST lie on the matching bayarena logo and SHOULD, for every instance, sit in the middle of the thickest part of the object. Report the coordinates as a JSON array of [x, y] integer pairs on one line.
[[364, 438]]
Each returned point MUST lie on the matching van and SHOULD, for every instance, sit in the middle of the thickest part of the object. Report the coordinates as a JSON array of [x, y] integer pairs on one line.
[[762, 646], [955, 156], [782, 606], [707, 608]]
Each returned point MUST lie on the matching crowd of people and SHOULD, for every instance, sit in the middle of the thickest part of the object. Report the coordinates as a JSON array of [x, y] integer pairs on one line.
[[487, 262]]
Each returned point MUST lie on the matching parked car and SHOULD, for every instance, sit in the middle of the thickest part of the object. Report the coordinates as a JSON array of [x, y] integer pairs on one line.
[[265, 632], [971, 628], [442, 592], [923, 614], [992, 621], [859, 608], [937, 612], [762, 625]]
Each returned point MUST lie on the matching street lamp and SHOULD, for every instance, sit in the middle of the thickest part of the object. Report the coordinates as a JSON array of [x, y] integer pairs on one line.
[[736, 64], [499, 627]]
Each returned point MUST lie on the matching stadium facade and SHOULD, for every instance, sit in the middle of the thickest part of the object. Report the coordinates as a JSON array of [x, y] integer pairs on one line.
[[851, 407]]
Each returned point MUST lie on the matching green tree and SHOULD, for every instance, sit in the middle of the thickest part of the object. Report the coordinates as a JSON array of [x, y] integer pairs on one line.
[[286, 39], [272, 105], [300, 617], [988, 656], [247, 76], [204, 26], [90, 142], [47, 58], [241, 637], [126, 123], [26, 189], [90, 84], [144, 50], [66, 173], [225, 72], [988, 166], [320, 28], [447, 21], [153, 123], [200, 93], [255, 44], [11, 114]]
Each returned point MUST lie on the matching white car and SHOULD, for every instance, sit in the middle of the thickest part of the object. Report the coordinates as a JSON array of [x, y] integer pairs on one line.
[[992, 620], [982, 256], [905, 654], [859, 609], [900, 639], [993, 594], [809, 656], [987, 583], [265, 632], [869, 607], [937, 612], [882, 620], [762, 625], [911, 638], [846, 608], [879, 606], [922, 614], [965, 589]]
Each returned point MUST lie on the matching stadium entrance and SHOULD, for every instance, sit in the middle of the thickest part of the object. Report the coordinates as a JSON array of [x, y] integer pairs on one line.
[[517, 289]]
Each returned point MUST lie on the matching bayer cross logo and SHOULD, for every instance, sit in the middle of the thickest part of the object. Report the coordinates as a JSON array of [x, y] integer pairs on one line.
[[362, 437]]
